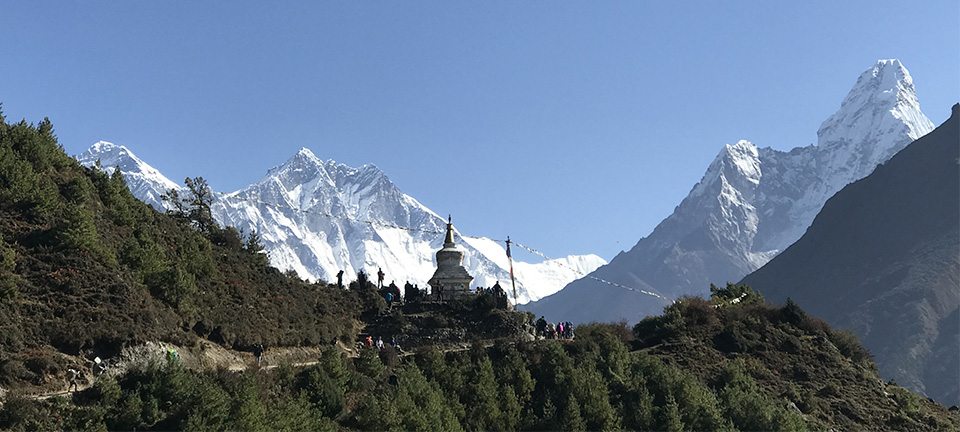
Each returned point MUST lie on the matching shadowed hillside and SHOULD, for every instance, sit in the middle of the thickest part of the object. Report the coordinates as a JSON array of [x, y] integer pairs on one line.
[[882, 259]]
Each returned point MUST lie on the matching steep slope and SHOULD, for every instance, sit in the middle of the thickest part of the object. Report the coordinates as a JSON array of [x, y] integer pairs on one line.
[[318, 218], [144, 181], [86, 270], [751, 204], [882, 259]]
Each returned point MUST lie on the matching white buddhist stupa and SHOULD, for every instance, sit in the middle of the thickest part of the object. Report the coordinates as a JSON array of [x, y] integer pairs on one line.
[[450, 281]]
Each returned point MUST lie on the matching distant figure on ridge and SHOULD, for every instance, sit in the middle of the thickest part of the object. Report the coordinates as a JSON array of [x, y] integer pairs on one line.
[[340, 279], [541, 327]]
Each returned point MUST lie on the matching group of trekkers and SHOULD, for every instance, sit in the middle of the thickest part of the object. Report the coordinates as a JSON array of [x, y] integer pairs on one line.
[[75, 376], [368, 342], [503, 302], [560, 330]]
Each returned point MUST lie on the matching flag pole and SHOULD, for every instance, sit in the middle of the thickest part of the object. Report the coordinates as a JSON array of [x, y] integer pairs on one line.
[[512, 280]]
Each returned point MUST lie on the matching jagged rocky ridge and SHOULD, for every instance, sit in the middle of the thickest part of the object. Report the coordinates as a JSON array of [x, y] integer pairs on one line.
[[317, 224], [751, 204]]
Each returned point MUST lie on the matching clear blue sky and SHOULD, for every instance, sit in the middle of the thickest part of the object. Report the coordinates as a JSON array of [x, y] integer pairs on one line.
[[574, 127]]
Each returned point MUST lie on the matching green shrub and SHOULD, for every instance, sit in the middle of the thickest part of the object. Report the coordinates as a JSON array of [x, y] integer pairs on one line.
[[9, 280], [849, 345]]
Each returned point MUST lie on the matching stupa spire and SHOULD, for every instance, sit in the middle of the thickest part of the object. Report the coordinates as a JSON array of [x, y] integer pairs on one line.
[[448, 241]]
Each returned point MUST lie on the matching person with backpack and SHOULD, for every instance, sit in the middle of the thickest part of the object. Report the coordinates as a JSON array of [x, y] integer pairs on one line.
[[74, 379], [258, 349]]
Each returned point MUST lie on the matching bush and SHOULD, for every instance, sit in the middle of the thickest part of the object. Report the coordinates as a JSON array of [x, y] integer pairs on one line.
[[849, 345], [698, 314], [9, 281], [732, 292]]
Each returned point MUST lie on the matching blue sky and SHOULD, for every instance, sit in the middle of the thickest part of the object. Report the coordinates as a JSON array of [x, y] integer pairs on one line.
[[573, 127]]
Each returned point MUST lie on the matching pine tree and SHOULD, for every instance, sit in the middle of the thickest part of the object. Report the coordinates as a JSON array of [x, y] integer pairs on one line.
[[369, 364], [198, 210], [480, 397], [246, 409], [570, 419], [76, 230], [510, 409]]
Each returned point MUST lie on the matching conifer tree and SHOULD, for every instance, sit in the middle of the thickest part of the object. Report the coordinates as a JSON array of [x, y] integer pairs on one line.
[[480, 397], [369, 364], [200, 201], [570, 418], [246, 409]]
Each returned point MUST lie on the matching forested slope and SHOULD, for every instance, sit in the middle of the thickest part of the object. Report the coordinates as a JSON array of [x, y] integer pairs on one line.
[[86, 269]]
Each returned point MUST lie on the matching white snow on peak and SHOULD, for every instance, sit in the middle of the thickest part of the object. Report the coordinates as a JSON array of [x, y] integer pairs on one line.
[[306, 152], [333, 217], [877, 119], [144, 181], [754, 202]]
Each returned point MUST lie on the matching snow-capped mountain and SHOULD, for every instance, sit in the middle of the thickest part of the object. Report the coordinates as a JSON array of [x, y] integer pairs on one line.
[[752, 203], [318, 218], [144, 181]]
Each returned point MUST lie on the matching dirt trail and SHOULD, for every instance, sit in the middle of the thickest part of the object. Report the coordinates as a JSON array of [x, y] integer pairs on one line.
[[205, 355]]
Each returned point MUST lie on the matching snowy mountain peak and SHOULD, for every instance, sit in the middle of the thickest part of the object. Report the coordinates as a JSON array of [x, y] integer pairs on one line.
[[146, 182], [883, 78], [104, 147], [110, 155], [754, 202], [318, 218], [303, 158], [880, 115], [745, 159], [735, 163], [305, 152]]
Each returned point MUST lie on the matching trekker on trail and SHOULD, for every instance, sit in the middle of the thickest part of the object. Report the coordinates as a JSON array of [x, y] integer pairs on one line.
[[74, 379], [340, 279], [379, 343], [99, 367], [380, 276], [258, 350]]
